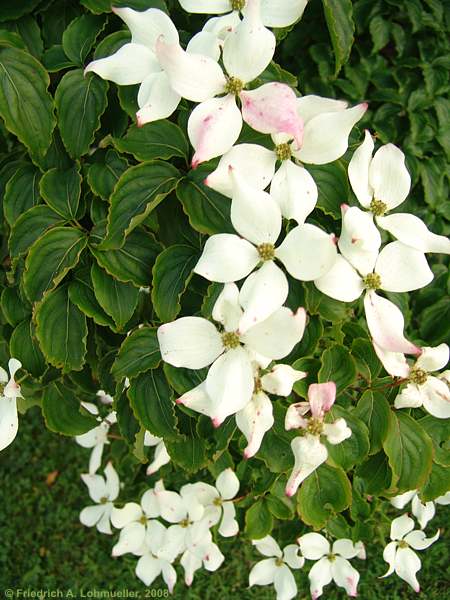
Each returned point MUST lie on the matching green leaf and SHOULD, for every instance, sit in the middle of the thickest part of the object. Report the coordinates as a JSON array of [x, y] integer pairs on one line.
[[97, 6], [61, 330], [80, 102], [410, 452], [367, 361], [208, 211], [10, 38], [81, 293], [439, 432], [182, 380], [139, 191], [332, 182], [435, 322], [258, 520], [28, 29], [133, 262], [24, 347], [63, 412], [21, 193], [161, 139], [376, 473], [438, 483], [54, 59], [25, 104], [281, 508], [13, 9], [14, 308], [50, 258], [29, 227], [80, 36], [103, 176], [374, 410], [117, 299], [339, 17], [171, 275], [379, 32], [338, 366], [138, 353], [353, 450], [326, 492], [275, 449], [61, 190], [188, 452], [152, 402], [128, 425], [320, 304]]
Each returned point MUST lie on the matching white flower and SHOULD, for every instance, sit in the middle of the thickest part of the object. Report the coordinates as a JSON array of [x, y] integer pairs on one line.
[[398, 553], [200, 551], [103, 491], [217, 501], [104, 397], [215, 124], [382, 183], [96, 438], [424, 389], [273, 14], [194, 343], [161, 457], [136, 62], [307, 252], [151, 562], [309, 452], [277, 568], [422, 512], [9, 422], [332, 562]]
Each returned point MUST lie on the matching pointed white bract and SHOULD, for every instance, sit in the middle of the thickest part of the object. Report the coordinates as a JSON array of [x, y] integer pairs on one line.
[[276, 569], [332, 562], [161, 456], [423, 512], [103, 491], [97, 437], [10, 391], [399, 553]]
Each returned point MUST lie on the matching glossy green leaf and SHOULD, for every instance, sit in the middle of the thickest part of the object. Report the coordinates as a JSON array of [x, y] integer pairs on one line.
[[339, 17], [353, 450], [182, 380], [61, 190], [63, 412], [161, 139], [189, 453], [13, 9], [276, 449], [171, 275], [55, 60], [138, 353], [50, 258], [21, 193], [367, 362], [103, 176], [332, 183], [374, 410], [14, 308], [81, 293], [437, 484], [30, 226], [61, 330], [24, 346], [80, 102], [324, 306], [258, 520], [376, 473], [326, 492], [97, 6], [25, 104], [80, 35], [28, 29], [128, 425], [117, 299], [338, 366]]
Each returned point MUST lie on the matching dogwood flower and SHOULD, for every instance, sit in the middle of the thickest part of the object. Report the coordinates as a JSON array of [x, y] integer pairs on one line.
[[161, 457], [151, 563], [136, 62], [96, 438], [398, 553], [194, 343], [103, 491], [9, 421], [277, 568], [215, 124], [422, 512], [332, 562], [273, 14], [217, 501], [309, 452], [426, 390], [200, 551], [307, 252], [381, 183]]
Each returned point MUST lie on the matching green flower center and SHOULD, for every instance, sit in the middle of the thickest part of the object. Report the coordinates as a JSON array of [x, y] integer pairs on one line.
[[315, 426], [230, 340], [258, 385], [378, 207], [217, 501], [266, 251], [103, 500], [143, 520], [418, 376], [403, 544], [234, 86], [185, 523], [279, 562], [283, 152], [331, 557], [237, 4], [372, 281]]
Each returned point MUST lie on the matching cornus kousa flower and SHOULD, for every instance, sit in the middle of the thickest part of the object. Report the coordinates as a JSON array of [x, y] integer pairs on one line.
[[161, 457], [215, 124], [194, 343], [103, 491], [200, 551], [97, 437], [154, 559], [136, 62], [422, 512], [309, 452], [10, 391], [307, 252], [332, 562], [277, 568], [381, 183], [398, 553], [424, 389], [327, 124]]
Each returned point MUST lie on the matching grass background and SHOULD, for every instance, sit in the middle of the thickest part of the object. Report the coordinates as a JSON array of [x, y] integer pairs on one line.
[[43, 545]]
